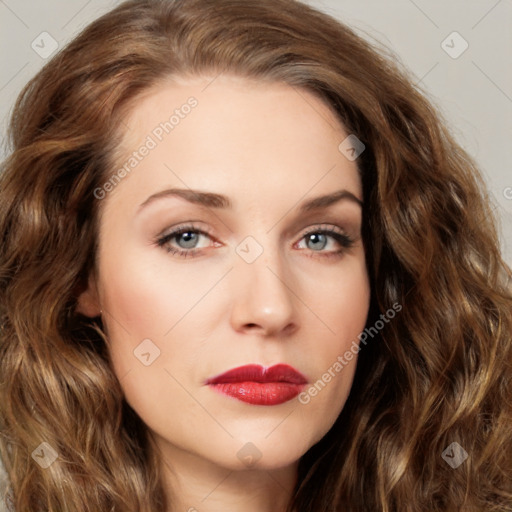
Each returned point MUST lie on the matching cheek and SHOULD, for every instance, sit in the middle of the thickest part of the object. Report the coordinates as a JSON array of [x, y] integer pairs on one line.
[[343, 306], [151, 315], [148, 297], [172, 305], [342, 302]]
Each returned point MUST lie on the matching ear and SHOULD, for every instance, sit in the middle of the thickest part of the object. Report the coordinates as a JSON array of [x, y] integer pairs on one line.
[[88, 300]]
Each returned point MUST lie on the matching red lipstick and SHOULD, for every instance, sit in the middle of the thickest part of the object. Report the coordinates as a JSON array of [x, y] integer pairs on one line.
[[257, 385]]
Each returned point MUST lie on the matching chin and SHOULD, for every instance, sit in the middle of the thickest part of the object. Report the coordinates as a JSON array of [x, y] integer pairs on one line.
[[269, 454]]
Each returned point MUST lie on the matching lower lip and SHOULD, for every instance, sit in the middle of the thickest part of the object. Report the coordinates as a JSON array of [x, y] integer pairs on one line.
[[260, 393]]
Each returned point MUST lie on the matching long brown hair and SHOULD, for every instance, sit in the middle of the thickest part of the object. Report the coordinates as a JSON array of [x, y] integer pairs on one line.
[[437, 374]]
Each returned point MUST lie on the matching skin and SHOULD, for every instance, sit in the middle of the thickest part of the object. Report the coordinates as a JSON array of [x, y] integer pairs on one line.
[[268, 148]]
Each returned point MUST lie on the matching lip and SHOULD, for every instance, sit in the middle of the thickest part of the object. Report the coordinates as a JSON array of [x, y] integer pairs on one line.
[[257, 385]]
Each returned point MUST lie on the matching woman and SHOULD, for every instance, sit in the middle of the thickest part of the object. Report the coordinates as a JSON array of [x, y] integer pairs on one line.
[[245, 267]]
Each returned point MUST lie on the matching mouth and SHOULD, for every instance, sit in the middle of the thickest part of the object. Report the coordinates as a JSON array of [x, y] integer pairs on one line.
[[257, 385]]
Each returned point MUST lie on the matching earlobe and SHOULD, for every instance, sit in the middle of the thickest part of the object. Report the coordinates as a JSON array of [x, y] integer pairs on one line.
[[87, 301]]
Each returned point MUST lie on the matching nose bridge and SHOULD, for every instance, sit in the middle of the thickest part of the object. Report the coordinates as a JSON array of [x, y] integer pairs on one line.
[[263, 291]]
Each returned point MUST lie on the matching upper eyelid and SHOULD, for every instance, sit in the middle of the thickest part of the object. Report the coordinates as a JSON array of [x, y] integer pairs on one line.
[[192, 227]]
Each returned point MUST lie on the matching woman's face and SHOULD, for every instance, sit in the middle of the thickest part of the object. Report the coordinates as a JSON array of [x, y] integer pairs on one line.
[[251, 280]]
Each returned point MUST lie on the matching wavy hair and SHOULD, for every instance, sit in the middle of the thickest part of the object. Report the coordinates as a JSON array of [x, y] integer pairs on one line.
[[438, 373]]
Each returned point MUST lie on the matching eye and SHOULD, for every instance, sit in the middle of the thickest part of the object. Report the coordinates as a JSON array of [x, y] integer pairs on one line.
[[186, 237], [317, 239]]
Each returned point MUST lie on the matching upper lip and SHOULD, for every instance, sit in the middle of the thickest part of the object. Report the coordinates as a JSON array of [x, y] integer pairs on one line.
[[258, 373]]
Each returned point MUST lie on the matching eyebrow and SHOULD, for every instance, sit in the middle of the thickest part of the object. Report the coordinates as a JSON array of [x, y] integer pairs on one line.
[[212, 200]]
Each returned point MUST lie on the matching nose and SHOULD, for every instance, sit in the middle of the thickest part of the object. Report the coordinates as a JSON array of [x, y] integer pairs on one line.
[[263, 297]]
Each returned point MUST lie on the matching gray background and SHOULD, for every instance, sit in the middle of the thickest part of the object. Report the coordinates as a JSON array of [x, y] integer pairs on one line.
[[473, 91]]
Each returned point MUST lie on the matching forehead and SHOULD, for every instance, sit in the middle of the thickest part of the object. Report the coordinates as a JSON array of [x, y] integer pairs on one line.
[[228, 131], [227, 101]]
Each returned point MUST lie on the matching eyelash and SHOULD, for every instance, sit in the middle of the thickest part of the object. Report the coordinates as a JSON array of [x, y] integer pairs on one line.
[[344, 240]]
